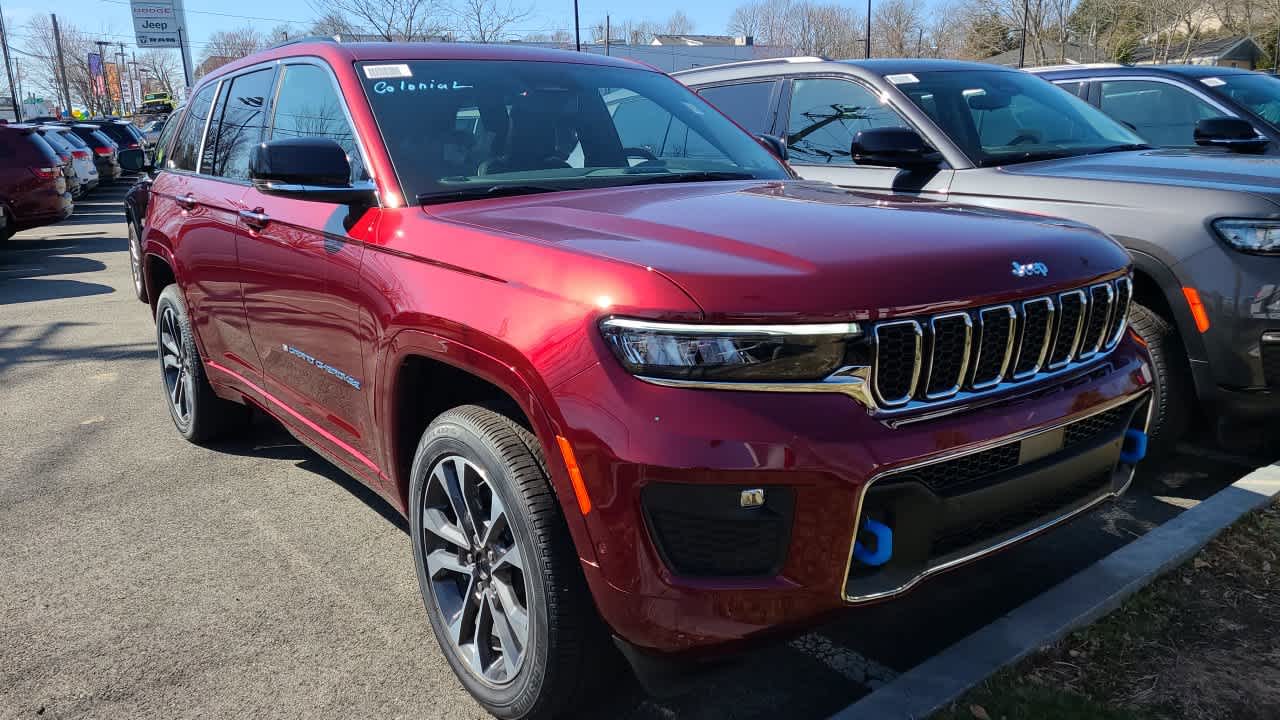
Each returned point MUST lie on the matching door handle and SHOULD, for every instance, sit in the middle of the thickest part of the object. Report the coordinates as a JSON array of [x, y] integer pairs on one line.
[[255, 219], [187, 202]]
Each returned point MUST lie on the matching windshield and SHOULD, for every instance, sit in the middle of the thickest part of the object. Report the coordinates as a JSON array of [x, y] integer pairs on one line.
[[1257, 92], [461, 128], [155, 96], [1000, 118]]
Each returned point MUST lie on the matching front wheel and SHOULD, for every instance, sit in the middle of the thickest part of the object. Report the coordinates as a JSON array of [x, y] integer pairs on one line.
[[135, 260], [503, 590], [1174, 393]]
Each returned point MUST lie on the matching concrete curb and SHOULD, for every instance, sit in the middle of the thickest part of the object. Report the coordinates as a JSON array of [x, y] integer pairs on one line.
[[1081, 599]]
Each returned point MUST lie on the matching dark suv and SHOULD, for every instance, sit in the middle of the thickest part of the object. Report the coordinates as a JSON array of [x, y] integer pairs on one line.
[[106, 153], [33, 189], [1203, 226], [691, 397], [1181, 105]]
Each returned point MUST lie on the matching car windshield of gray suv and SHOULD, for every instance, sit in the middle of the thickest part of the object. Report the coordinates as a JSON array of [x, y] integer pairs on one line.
[[1257, 92], [461, 129], [1001, 118]]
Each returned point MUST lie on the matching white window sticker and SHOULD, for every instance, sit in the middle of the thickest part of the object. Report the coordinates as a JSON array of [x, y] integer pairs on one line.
[[382, 72], [902, 79], [1213, 82]]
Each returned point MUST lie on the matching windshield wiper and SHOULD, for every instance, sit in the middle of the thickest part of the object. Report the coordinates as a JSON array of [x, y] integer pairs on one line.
[[1120, 148], [700, 176], [479, 193]]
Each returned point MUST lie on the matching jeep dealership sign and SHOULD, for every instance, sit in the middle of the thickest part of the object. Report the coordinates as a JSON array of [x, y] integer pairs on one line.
[[156, 23]]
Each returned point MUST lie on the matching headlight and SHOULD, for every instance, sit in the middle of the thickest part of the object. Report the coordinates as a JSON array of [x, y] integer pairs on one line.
[[743, 353], [1259, 236]]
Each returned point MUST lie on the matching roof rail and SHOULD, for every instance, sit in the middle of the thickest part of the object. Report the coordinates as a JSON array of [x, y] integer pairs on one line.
[[1073, 66], [304, 39], [760, 61]]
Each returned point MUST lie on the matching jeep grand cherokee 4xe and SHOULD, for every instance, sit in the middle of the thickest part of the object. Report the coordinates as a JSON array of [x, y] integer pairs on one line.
[[1201, 225], [604, 385]]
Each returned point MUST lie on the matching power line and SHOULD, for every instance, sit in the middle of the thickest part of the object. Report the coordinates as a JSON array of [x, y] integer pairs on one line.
[[221, 14]]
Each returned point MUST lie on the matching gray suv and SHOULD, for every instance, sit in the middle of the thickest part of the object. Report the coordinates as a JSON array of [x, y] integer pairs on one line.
[[1203, 226]]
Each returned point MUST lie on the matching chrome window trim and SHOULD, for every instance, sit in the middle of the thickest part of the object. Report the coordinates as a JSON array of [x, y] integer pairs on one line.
[[915, 370], [1008, 346], [933, 353], [1123, 321], [1044, 346], [1092, 307], [991, 549], [1076, 337], [204, 132]]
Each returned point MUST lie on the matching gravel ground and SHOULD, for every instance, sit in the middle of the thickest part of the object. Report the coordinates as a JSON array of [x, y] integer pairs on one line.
[[145, 577]]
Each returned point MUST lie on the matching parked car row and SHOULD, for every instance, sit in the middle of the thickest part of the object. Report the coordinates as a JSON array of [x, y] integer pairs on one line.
[[46, 166]]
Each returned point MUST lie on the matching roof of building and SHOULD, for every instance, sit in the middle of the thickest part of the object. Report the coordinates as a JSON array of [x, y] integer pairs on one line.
[[1217, 48], [1053, 52], [689, 39]]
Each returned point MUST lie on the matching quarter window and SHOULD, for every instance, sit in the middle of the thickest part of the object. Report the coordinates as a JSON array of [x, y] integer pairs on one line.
[[308, 106], [186, 146], [1161, 113], [826, 114], [241, 116]]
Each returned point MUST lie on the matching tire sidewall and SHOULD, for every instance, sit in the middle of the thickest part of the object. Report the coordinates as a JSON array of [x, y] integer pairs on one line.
[[449, 437], [171, 297], [135, 259]]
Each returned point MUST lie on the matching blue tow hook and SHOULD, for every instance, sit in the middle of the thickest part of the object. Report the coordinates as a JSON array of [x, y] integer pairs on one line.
[[884, 545], [1135, 446]]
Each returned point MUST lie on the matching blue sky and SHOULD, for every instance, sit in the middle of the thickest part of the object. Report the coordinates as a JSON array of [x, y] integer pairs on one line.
[[110, 18]]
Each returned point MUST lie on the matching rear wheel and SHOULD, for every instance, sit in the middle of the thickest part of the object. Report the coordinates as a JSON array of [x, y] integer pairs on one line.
[[496, 567], [1174, 392], [198, 413], [135, 260], [7, 225]]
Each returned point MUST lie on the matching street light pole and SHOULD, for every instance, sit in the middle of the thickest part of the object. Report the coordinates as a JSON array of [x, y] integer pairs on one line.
[[8, 69], [577, 28], [868, 54]]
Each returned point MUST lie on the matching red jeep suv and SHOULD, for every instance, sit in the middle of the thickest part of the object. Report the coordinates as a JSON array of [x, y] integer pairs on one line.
[[670, 401]]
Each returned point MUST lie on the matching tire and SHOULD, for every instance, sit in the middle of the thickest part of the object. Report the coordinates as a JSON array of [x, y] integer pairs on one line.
[[135, 259], [1174, 393], [9, 226], [474, 452], [199, 415]]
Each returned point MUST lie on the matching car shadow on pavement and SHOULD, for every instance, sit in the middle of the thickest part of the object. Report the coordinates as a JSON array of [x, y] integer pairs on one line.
[[28, 267], [267, 438], [32, 344]]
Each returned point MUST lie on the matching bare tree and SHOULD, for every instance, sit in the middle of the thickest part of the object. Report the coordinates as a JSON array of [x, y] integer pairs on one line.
[[746, 20], [811, 28], [330, 24], [898, 28], [678, 24], [224, 46], [489, 20], [76, 46], [161, 71], [391, 20]]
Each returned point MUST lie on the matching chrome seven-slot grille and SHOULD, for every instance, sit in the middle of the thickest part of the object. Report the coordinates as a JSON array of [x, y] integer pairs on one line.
[[935, 358]]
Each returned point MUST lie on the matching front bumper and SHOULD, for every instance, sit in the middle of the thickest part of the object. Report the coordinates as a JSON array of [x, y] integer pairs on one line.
[[825, 464]]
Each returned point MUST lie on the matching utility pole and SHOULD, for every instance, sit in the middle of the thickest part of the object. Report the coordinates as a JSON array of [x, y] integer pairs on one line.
[[102, 63], [577, 28], [606, 34], [1022, 51], [122, 74], [62, 64], [868, 55], [8, 69]]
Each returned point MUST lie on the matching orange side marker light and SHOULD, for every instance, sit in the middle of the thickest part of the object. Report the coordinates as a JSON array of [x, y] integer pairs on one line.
[[1197, 308], [575, 474]]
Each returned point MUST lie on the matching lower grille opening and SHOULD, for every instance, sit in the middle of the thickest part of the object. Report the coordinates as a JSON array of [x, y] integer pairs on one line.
[[703, 531]]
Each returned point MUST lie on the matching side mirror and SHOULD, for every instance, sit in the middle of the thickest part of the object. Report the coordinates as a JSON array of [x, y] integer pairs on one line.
[[133, 160], [307, 168], [893, 147], [1230, 132], [774, 144]]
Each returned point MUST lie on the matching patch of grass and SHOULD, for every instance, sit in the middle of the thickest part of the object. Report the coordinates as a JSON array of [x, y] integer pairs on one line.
[[1200, 643]]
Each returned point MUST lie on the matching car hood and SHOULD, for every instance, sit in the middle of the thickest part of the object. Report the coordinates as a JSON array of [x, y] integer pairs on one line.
[[797, 249], [1257, 174]]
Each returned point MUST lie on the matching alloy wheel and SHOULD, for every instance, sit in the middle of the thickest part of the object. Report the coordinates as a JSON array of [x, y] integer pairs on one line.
[[176, 365], [475, 570], [135, 259]]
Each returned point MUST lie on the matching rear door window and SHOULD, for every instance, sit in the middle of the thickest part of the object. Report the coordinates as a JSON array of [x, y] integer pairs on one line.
[[186, 147], [749, 104]]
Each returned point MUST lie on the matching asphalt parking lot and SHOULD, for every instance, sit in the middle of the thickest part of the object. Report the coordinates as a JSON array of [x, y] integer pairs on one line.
[[142, 576]]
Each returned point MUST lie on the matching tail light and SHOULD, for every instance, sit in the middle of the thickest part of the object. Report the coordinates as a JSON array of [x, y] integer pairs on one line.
[[103, 151], [46, 173], [80, 154], [134, 146]]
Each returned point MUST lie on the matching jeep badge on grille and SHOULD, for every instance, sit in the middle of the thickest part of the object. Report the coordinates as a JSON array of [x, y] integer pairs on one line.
[[1029, 269]]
